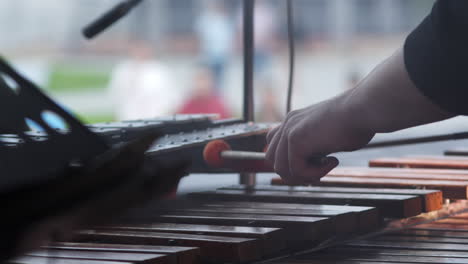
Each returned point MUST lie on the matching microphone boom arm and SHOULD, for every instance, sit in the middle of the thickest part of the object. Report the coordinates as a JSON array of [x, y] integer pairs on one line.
[[109, 18]]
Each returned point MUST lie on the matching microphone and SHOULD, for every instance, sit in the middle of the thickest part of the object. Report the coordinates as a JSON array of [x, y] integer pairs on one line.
[[109, 18]]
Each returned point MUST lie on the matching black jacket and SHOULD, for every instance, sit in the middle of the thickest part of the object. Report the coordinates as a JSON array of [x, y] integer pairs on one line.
[[436, 55]]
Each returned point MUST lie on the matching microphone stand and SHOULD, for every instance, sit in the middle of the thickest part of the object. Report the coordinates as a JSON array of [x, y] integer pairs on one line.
[[109, 18]]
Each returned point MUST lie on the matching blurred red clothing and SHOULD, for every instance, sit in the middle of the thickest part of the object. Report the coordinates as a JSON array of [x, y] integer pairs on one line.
[[211, 104]]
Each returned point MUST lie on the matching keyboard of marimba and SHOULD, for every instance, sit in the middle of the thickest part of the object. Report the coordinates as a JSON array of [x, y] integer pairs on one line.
[[238, 225], [442, 241]]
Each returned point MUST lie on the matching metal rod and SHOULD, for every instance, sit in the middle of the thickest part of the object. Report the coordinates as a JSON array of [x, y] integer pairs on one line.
[[419, 140], [292, 55], [243, 155], [248, 19], [249, 179], [250, 155]]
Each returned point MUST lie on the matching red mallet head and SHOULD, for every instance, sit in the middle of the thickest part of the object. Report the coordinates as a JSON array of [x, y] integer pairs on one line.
[[212, 153]]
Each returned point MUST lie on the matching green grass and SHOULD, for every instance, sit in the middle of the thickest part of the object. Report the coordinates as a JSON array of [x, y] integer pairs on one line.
[[75, 78], [95, 118]]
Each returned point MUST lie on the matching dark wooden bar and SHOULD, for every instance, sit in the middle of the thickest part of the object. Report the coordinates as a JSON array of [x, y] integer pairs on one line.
[[368, 217], [395, 205], [417, 231], [297, 228], [216, 230], [51, 259], [380, 256], [409, 245], [404, 252], [212, 248], [343, 222], [412, 238], [182, 254], [272, 239], [432, 199], [144, 258]]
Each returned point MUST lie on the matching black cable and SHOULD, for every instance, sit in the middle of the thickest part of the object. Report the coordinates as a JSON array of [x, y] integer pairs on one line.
[[291, 54]]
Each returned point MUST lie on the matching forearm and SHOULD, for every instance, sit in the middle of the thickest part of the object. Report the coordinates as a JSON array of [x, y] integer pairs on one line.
[[387, 100]]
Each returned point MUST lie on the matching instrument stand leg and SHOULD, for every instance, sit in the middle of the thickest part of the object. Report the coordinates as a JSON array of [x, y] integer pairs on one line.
[[248, 179]]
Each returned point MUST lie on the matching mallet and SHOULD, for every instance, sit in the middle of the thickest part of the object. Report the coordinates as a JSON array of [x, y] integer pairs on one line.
[[219, 154]]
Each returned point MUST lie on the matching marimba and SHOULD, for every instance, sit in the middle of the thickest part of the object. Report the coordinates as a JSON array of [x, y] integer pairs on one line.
[[356, 215]]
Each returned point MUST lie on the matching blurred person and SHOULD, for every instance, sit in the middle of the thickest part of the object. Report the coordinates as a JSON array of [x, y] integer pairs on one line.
[[422, 82], [215, 33], [265, 30], [268, 106], [142, 87], [265, 34], [204, 99]]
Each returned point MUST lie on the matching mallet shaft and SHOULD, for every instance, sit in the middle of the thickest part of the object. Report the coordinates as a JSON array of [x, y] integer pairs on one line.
[[242, 155], [250, 155]]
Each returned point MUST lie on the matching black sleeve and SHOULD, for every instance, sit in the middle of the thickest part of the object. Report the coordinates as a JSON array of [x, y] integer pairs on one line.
[[436, 55]]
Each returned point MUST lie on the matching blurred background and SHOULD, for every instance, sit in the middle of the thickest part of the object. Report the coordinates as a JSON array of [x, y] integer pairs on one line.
[[170, 56], [185, 56]]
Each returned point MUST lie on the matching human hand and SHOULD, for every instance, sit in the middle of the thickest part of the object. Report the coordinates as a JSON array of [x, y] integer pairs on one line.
[[314, 132]]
